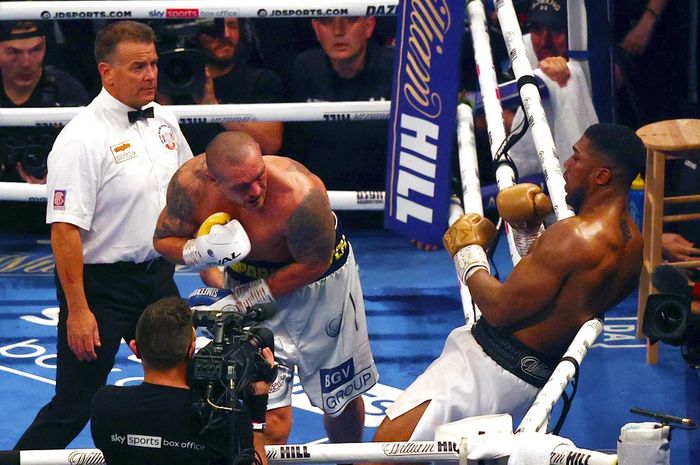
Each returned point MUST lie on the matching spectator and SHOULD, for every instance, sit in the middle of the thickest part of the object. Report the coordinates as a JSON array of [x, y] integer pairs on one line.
[[276, 44], [346, 155], [161, 407], [681, 241], [653, 38], [569, 105], [229, 79], [28, 83], [107, 176]]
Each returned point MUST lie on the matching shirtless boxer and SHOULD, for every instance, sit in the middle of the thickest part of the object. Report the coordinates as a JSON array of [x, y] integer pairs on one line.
[[577, 269], [297, 258]]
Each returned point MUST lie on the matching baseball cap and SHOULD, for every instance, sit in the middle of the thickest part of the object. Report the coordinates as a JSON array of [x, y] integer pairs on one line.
[[23, 30], [548, 13]]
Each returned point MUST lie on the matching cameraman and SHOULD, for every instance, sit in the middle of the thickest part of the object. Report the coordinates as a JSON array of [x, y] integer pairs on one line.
[[154, 422], [230, 79], [26, 83]]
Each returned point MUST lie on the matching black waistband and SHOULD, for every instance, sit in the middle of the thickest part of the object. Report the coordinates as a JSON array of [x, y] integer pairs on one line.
[[250, 270], [527, 364]]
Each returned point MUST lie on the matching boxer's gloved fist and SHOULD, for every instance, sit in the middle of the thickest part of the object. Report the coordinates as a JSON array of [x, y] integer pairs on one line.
[[523, 206], [219, 241], [469, 229], [466, 240]]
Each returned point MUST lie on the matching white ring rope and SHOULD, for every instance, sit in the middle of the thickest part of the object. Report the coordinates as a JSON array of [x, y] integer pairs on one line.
[[538, 414], [340, 200], [471, 192], [384, 452], [532, 105], [488, 83], [190, 9], [246, 112]]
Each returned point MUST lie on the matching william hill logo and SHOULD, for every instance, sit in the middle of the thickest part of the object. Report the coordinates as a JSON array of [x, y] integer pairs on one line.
[[294, 452]]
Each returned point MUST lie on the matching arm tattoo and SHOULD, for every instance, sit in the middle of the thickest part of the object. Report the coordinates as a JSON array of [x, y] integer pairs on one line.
[[183, 193], [311, 233]]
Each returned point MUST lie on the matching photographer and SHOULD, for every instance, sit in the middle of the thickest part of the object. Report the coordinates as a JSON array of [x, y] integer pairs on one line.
[[227, 78], [154, 422], [27, 83]]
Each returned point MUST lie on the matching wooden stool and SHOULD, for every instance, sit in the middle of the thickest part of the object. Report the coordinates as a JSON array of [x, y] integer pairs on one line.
[[665, 140]]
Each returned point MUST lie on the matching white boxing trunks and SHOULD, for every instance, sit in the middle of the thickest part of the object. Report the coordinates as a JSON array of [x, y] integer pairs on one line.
[[322, 330], [462, 382]]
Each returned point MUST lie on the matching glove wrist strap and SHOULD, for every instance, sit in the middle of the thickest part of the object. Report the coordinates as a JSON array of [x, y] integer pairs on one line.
[[468, 260], [254, 292], [190, 254], [525, 237]]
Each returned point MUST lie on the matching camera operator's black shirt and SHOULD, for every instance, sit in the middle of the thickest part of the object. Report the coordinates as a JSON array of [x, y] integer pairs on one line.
[[146, 424], [244, 84]]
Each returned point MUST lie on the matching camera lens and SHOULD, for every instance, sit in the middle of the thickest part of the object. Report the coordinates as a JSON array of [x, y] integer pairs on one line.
[[671, 316], [181, 72]]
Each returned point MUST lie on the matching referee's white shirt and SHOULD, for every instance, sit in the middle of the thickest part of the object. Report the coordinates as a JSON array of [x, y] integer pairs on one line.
[[109, 177]]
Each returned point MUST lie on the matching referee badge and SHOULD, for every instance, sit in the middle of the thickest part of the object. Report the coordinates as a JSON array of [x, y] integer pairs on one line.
[[59, 199], [167, 137]]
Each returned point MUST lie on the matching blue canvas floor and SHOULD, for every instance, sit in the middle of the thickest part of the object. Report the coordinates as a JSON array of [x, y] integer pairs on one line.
[[412, 303]]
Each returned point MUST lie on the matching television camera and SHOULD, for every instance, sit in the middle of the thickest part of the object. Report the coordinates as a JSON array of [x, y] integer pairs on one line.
[[180, 59], [222, 372], [667, 315]]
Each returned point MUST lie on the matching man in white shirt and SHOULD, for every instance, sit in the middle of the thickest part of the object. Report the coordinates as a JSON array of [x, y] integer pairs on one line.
[[108, 173]]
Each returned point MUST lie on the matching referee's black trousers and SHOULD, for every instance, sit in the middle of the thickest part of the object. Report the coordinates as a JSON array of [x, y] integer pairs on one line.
[[117, 294]]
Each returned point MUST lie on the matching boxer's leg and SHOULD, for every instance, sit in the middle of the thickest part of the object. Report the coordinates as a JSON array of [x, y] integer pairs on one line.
[[400, 428], [278, 424], [347, 427]]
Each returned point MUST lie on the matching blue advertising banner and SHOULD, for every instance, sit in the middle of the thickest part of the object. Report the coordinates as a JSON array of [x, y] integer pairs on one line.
[[423, 117]]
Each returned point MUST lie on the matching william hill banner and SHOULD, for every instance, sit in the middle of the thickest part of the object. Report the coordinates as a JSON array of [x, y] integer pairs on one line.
[[423, 117]]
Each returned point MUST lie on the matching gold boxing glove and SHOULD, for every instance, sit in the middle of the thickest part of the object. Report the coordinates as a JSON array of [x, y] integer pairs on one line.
[[466, 240], [469, 229], [523, 206]]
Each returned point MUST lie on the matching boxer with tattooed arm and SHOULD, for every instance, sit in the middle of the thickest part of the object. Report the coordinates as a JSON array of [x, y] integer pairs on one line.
[[299, 259]]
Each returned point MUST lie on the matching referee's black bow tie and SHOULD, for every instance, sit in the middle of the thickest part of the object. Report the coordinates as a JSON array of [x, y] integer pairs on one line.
[[138, 114]]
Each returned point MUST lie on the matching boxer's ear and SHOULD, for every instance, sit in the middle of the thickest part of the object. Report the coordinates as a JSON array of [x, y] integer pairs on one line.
[[134, 348]]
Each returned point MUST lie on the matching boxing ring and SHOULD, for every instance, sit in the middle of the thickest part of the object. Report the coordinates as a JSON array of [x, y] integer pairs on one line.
[[470, 446]]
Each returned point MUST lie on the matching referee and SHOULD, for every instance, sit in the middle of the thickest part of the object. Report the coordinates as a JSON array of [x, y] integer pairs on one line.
[[108, 173]]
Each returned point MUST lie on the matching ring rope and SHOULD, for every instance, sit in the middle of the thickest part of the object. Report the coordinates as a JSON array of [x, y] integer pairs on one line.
[[538, 414], [471, 192], [250, 112], [340, 200], [384, 452], [488, 83], [532, 105], [189, 9]]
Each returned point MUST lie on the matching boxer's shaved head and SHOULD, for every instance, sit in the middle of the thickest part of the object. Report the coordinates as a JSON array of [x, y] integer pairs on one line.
[[230, 148], [235, 164]]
